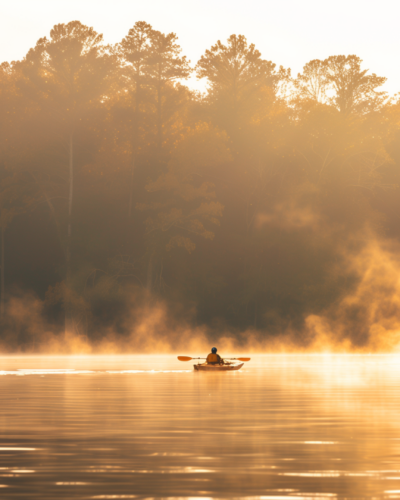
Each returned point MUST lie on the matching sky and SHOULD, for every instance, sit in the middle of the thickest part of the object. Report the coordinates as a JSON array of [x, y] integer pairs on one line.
[[287, 32]]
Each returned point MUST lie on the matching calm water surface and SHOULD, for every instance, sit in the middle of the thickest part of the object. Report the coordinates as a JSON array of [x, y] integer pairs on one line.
[[285, 427]]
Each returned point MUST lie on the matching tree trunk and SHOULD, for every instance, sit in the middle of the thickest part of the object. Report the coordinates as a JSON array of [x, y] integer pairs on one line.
[[68, 312], [159, 118], [131, 187], [2, 300], [135, 141], [57, 225], [150, 266]]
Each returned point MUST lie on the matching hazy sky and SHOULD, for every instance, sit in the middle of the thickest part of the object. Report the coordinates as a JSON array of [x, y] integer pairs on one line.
[[287, 32]]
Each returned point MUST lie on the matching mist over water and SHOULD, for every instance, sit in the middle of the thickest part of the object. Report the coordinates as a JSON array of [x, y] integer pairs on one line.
[[285, 426], [363, 319]]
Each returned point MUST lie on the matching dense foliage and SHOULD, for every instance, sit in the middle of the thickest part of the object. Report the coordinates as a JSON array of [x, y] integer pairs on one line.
[[236, 207]]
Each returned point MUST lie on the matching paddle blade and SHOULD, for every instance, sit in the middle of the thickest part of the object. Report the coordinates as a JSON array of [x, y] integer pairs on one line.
[[244, 359], [184, 358]]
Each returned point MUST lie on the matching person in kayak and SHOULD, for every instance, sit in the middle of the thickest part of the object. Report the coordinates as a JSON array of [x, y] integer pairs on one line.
[[213, 358]]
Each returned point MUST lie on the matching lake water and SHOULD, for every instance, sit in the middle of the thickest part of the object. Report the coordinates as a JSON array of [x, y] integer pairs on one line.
[[284, 427]]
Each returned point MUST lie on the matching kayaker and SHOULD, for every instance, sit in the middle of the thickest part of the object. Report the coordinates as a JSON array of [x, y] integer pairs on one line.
[[213, 358]]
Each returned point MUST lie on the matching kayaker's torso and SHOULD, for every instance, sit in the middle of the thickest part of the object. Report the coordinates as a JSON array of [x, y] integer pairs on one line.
[[214, 358]]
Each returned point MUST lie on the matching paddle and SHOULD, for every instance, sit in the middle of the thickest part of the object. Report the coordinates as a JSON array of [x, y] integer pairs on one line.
[[187, 358], [240, 359]]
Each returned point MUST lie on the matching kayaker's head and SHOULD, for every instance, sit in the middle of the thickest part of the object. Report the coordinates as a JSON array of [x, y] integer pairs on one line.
[[214, 350]]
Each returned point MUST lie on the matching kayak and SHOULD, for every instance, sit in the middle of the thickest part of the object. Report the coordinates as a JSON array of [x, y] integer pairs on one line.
[[218, 368]]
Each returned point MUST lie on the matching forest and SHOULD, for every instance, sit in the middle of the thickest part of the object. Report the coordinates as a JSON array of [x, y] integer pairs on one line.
[[265, 204]]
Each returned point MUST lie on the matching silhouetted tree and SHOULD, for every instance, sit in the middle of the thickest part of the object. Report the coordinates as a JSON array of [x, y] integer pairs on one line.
[[313, 82], [354, 90], [135, 51], [166, 65], [68, 75], [236, 73]]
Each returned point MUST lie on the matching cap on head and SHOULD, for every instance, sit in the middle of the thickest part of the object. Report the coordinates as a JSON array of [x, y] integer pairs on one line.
[[214, 350]]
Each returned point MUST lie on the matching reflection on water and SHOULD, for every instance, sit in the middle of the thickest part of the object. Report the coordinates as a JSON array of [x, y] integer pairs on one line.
[[285, 427]]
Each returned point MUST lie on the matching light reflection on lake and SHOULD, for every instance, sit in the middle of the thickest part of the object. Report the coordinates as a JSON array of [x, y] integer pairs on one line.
[[284, 427]]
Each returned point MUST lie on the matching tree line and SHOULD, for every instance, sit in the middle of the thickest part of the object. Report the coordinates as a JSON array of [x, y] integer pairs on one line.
[[233, 205]]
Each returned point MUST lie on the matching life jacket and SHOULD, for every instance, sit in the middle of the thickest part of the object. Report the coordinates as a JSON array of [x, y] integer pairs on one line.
[[213, 358]]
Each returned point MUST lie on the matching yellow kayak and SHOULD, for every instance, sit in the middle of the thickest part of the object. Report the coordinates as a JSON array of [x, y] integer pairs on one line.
[[218, 368]]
